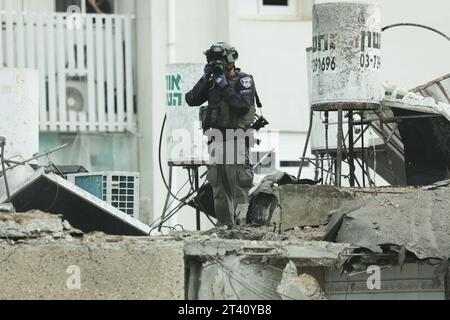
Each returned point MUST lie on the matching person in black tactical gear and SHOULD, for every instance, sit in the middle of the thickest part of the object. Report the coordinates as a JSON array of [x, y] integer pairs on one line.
[[230, 94]]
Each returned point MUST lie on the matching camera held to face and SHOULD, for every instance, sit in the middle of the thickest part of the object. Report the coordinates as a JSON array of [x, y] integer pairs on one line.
[[218, 68]]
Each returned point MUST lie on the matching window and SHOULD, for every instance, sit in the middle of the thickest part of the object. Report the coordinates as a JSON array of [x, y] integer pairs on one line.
[[276, 9], [253, 8], [86, 6]]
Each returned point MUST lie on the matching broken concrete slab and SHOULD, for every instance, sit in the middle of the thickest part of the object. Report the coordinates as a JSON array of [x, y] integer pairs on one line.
[[303, 205], [33, 224], [306, 206], [418, 221], [304, 253], [6, 207], [53, 194], [91, 268]]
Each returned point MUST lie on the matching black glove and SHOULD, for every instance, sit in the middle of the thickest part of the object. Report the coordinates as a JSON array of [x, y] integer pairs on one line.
[[222, 80], [208, 71]]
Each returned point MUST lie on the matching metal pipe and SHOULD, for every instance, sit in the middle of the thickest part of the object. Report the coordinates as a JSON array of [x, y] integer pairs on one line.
[[2, 159], [40, 155], [351, 157], [197, 187], [326, 122], [167, 205], [338, 181], [363, 151], [305, 149]]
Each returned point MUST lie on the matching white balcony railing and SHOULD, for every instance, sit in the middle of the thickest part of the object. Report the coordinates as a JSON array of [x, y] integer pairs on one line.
[[85, 64]]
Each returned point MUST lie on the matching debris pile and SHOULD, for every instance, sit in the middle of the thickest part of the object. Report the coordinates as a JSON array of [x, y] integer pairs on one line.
[[268, 233], [299, 287], [418, 221]]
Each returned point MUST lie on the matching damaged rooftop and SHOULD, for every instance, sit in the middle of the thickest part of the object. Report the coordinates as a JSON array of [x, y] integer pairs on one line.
[[401, 230]]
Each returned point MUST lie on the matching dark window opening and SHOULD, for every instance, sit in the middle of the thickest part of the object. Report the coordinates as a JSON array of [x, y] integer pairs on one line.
[[293, 164], [99, 6], [284, 3], [92, 6], [63, 5]]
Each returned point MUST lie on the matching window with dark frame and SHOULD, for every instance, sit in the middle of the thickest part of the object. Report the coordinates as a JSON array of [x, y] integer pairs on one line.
[[280, 9], [63, 5], [276, 3], [92, 6]]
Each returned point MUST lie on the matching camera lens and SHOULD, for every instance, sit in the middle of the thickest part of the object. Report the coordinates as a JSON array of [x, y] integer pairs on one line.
[[218, 68]]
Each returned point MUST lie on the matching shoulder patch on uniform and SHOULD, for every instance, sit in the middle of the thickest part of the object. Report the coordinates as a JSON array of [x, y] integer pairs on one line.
[[247, 82]]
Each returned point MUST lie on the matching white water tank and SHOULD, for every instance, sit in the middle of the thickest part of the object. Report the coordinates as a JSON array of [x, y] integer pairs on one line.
[[19, 120], [346, 56], [323, 142]]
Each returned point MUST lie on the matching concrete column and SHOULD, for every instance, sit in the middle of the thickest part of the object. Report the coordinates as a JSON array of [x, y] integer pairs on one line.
[[151, 30]]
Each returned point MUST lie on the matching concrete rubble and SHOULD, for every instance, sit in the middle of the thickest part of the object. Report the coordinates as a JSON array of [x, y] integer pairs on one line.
[[313, 207], [39, 253], [299, 287], [31, 225], [38, 250]]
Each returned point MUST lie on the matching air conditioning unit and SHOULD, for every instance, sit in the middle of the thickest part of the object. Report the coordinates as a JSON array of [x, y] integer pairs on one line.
[[119, 189], [76, 93]]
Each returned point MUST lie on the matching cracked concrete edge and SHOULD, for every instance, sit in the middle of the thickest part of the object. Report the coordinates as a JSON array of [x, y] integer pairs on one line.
[[311, 254]]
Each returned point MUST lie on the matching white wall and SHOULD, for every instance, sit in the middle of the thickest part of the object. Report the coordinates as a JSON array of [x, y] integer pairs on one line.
[[274, 52], [413, 56], [199, 24]]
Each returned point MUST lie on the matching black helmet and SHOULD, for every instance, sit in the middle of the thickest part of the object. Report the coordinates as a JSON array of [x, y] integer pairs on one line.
[[222, 51]]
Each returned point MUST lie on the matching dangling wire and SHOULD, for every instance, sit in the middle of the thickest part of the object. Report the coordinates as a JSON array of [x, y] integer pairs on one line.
[[2, 159], [395, 25]]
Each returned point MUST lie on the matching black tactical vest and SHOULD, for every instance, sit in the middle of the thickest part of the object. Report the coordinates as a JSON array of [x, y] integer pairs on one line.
[[219, 115]]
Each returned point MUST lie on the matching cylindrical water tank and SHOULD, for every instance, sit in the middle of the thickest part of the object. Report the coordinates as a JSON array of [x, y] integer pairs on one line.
[[325, 142], [346, 57]]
